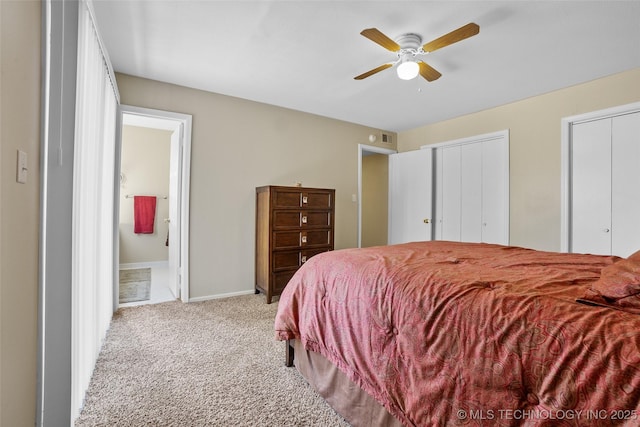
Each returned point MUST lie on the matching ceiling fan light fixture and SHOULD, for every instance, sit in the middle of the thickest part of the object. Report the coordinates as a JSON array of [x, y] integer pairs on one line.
[[407, 68]]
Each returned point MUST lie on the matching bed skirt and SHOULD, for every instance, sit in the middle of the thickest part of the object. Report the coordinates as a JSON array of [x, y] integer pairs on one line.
[[345, 397]]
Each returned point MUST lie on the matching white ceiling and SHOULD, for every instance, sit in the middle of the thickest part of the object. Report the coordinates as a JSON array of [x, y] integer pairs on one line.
[[303, 55]]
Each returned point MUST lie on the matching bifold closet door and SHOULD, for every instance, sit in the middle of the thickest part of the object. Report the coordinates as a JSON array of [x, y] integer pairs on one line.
[[591, 187], [495, 192], [472, 192], [625, 184], [605, 186], [449, 198]]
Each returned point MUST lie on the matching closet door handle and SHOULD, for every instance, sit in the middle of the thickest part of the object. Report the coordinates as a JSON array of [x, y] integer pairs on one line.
[[606, 230]]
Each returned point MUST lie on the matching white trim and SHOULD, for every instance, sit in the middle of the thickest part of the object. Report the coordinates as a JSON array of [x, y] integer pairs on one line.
[[186, 121], [148, 264], [59, 62], [150, 122], [470, 139], [566, 125], [220, 296], [362, 148]]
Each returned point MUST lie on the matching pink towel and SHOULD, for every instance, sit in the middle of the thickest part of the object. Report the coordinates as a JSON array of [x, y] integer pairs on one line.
[[144, 214]]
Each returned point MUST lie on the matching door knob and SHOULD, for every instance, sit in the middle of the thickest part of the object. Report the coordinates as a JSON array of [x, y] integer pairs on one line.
[[426, 220]]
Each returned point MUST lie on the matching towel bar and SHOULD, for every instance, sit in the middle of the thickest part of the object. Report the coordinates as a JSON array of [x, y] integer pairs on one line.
[[131, 196]]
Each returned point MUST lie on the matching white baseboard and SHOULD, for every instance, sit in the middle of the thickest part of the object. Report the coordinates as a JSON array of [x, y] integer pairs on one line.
[[219, 296], [149, 264]]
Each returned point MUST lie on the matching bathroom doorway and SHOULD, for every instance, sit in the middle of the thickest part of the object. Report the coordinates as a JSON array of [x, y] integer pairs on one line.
[[153, 206]]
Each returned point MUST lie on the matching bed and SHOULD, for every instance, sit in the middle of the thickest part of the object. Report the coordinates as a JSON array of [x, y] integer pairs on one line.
[[445, 333]]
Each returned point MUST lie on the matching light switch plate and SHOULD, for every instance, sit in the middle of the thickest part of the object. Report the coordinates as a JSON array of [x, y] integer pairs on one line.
[[21, 174]]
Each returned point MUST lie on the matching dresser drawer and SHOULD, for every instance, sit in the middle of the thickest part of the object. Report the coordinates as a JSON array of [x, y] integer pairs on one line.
[[281, 279], [286, 219], [287, 198], [295, 239], [315, 219], [286, 239], [302, 198], [315, 238], [316, 200], [303, 219], [293, 259]]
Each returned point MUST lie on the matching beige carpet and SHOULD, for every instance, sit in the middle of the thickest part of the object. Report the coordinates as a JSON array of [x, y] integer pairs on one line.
[[212, 363], [135, 285]]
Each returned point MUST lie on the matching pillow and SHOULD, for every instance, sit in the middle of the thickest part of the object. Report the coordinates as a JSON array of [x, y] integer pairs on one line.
[[620, 279]]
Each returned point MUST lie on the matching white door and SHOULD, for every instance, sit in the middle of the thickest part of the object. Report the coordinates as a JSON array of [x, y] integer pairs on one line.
[[471, 193], [495, 191], [625, 184], [410, 196], [450, 195], [173, 238], [591, 187], [605, 207], [472, 189]]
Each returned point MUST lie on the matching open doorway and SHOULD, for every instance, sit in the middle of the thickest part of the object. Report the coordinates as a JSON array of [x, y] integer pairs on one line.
[[373, 195], [154, 167]]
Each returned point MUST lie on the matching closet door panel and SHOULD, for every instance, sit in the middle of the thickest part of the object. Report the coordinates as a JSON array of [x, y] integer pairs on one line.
[[451, 206], [438, 193], [591, 187], [410, 196], [495, 191], [471, 193], [625, 177]]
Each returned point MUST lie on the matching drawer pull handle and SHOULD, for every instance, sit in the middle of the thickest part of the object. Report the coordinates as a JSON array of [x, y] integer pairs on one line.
[[303, 259], [304, 239], [304, 199], [304, 219]]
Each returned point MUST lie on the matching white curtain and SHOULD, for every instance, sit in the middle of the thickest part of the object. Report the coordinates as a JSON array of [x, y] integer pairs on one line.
[[93, 205]]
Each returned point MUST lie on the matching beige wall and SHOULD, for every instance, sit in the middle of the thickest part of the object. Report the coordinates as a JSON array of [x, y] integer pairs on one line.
[[375, 196], [237, 146], [145, 168], [19, 209], [534, 126]]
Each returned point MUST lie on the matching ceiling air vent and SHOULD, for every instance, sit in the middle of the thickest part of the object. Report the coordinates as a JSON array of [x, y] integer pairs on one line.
[[386, 138]]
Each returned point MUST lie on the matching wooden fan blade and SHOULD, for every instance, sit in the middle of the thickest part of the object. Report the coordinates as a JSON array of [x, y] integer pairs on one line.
[[372, 72], [428, 72], [454, 36], [376, 36]]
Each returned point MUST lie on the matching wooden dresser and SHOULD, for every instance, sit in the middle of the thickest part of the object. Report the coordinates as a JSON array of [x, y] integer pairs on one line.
[[292, 225]]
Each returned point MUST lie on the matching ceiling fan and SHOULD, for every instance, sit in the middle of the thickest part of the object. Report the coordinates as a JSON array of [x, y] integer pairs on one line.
[[408, 47]]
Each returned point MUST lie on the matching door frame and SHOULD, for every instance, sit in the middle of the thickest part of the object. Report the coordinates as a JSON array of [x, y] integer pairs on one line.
[[363, 150], [152, 117], [565, 162]]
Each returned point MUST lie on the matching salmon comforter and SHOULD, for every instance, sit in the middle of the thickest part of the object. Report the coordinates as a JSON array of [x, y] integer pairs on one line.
[[445, 333]]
